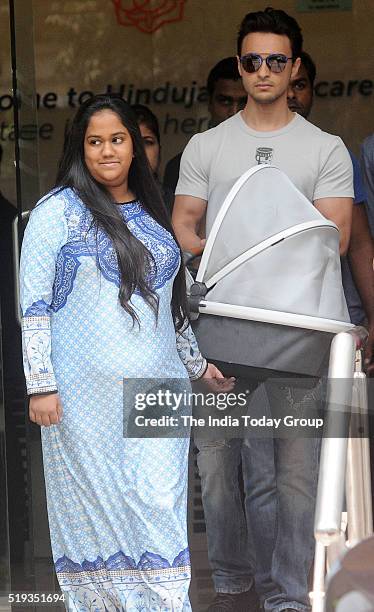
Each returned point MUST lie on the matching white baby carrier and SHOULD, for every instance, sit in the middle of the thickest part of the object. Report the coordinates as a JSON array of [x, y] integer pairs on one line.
[[268, 293]]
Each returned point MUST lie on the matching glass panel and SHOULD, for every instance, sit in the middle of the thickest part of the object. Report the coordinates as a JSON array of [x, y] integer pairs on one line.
[[39, 573], [23, 515], [7, 346]]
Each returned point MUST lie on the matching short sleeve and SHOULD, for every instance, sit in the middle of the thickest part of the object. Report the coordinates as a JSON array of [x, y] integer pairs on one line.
[[335, 178], [358, 185], [193, 173], [367, 166]]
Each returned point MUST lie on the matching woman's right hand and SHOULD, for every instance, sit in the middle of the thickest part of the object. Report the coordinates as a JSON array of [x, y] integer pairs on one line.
[[45, 409]]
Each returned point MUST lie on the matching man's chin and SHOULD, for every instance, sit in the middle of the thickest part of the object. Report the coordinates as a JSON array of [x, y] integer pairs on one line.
[[265, 99]]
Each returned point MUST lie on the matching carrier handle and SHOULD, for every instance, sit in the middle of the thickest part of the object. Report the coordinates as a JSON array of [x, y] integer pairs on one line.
[[266, 244]]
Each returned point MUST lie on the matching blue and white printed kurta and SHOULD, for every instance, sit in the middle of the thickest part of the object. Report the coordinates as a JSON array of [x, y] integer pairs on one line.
[[116, 506]]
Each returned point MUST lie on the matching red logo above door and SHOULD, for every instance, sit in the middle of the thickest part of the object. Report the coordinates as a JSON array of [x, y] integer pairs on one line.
[[148, 15]]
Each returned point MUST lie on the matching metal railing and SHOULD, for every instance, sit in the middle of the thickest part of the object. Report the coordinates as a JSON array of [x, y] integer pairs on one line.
[[344, 472]]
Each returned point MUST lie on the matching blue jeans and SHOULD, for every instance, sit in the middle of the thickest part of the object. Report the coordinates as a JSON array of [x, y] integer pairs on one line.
[[268, 536]]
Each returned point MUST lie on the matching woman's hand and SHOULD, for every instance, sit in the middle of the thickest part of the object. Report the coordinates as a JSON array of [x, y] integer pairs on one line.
[[45, 409], [216, 380]]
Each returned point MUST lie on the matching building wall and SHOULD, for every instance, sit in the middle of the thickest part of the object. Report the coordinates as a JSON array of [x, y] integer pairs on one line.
[[80, 47]]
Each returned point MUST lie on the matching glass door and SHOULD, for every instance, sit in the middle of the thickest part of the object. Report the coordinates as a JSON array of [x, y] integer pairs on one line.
[[25, 554]]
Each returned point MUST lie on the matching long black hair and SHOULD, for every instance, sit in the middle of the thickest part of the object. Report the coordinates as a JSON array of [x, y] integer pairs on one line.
[[133, 257]]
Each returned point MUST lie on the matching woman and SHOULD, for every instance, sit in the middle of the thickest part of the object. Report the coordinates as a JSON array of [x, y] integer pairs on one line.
[[150, 131], [103, 301]]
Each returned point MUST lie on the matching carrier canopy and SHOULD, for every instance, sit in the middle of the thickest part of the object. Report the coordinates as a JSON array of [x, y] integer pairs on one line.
[[268, 247]]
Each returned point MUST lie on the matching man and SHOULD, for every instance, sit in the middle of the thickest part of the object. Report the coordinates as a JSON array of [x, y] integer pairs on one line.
[[361, 248], [300, 90], [280, 504], [226, 97], [367, 164]]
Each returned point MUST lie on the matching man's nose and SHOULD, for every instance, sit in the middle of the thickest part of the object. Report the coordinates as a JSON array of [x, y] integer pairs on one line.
[[290, 93], [264, 70]]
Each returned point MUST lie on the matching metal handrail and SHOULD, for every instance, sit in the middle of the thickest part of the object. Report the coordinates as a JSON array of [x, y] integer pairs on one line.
[[344, 462], [358, 479]]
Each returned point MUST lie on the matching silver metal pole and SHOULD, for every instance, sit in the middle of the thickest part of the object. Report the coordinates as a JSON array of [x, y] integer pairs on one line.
[[317, 596], [355, 492], [362, 396], [328, 520], [337, 549], [331, 482]]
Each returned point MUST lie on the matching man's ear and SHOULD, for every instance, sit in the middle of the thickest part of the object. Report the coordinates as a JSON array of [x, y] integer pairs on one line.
[[295, 67]]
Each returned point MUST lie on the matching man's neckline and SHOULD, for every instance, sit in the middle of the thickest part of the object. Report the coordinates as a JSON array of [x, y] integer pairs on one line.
[[260, 134]]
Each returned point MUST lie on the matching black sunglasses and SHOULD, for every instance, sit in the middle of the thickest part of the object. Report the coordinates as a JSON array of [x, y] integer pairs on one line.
[[276, 62]]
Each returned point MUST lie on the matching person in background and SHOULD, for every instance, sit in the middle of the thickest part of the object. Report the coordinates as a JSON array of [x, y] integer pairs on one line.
[[359, 290], [367, 165], [150, 132], [226, 97], [300, 90]]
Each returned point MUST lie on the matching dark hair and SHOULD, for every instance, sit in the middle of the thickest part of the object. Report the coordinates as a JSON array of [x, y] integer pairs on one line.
[[226, 68], [272, 21], [133, 257], [144, 115], [309, 66]]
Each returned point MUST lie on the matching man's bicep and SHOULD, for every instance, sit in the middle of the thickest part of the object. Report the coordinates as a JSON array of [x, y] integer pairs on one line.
[[188, 210], [339, 211]]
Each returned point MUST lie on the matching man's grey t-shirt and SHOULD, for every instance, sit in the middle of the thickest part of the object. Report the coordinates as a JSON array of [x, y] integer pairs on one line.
[[316, 162]]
